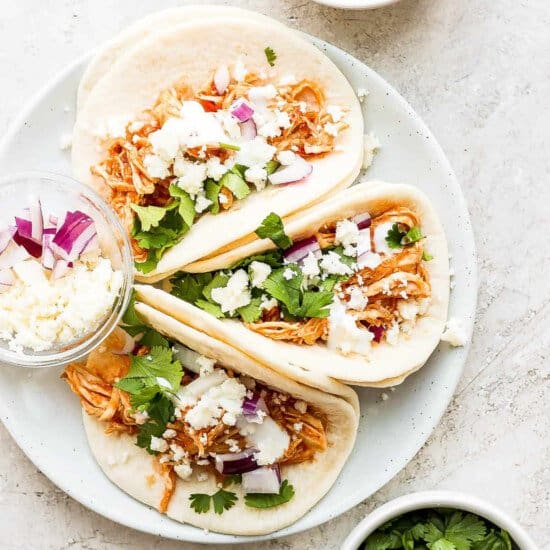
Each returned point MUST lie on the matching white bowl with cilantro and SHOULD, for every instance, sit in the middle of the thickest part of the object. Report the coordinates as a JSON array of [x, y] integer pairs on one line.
[[438, 520]]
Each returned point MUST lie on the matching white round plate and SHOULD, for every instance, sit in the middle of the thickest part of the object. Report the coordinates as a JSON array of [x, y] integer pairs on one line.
[[356, 4], [43, 415]]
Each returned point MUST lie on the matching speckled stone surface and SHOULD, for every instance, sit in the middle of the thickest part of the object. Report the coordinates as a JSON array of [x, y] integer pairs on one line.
[[477, 72]]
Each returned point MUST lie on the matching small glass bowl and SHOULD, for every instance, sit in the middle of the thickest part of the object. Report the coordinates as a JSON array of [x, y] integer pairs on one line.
[[59, 194]]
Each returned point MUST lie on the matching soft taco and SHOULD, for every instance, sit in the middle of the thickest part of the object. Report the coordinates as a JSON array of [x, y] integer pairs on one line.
[[200, 130], [355, 288], [109, 52], [205, 434]]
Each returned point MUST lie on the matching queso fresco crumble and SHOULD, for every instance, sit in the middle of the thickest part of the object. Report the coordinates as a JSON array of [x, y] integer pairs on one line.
[[55, 285]]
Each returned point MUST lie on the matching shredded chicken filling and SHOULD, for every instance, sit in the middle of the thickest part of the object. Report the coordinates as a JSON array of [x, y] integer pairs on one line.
[[399, 278], [123, 170], [93, 382]]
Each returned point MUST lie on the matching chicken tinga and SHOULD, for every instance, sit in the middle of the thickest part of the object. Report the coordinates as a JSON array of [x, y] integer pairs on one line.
[[343, 288], [201, 140], [207, 440]]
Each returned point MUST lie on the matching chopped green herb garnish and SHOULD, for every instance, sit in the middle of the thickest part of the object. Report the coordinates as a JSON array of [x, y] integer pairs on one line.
[[222, 500], [272, 228], [236, 184], [270, 55], [261, 500], [397, 238], [149, 216], [438, 529], [232, 479], [426, 256], [186, 206], [229, 146]]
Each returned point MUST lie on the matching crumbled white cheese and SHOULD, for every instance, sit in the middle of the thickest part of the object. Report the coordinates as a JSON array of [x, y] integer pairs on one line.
[[215, 169], [260, 95], [392, 334], [169, 433], [141, 417], [347, 234], [370, 146], [259, 272], [183, 470], [256, 175], [369, 259], [357, 300], [178, 452], [286, 158], [331, 264], [235, 294], [255, 152], [268, 303], [300, 406], [191, 175], [455, 333], [288, 273], [310, 266], [407, 309], [335, 112], [270, 439], [40, 312], [331, 129], [158, 444], [202, 203], [156, 167], [344, 334], [298, 426], [223, 401], [205, 364], [239, 70], [287, 80]]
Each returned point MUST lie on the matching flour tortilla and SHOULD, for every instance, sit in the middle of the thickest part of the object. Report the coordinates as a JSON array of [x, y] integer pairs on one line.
[[131, 468], [158, 21], [386, 364], [195, 49]]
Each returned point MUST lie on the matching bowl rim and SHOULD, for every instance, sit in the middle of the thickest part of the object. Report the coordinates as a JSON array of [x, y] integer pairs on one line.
[[428, 499], [93, 339]]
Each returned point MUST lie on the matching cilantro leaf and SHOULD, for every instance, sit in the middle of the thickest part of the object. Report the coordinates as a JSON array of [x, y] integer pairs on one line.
[[157, 364], [314, 304], [426, 256], [222, 500], [149, 216], [200, 502], [272, 228], [271, 166], [383, 541], [219, 280], [494, 541], [186, 205], [273, 258], [130, 316], [394, 236], [261, 500], [211, 308], [270, 55], [160, 411], [463, 529], [189, 286], [236, 184], [151, 338], [212, 192], [413, 235], [149, 264], [252, 311], [232, 479]]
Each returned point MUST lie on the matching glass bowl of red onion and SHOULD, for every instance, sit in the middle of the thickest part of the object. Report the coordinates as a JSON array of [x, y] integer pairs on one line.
[[66, 270]]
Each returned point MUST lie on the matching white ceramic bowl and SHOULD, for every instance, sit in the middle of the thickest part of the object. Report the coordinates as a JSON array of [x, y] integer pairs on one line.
[[356, 4], [436, 499]]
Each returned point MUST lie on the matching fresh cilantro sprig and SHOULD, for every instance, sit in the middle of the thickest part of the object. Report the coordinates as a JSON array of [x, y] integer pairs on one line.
[[221, 500], [272, 228], [438, 529], [398, 239], [270, 55], [262, 500]]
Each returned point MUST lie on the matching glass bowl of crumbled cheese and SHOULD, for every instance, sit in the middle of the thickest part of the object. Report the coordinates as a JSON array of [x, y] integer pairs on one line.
[[66, 270]]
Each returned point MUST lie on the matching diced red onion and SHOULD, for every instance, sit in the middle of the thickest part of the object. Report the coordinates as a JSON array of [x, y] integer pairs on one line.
[[73, 236], [241, 110], [248, 129], [252, 408], [264, 480], [48, 258], [377, 331], [6, 235], [91, 245], [32, 247], [128, 346], [299, 250], [60, 268], [12, 255], [221, 79], [236, 463], [293, 173], [37, 220], [362, 220], [24, 227]]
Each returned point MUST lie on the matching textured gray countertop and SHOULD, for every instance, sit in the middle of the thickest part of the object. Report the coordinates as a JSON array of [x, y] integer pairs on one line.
[[477, 72]]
